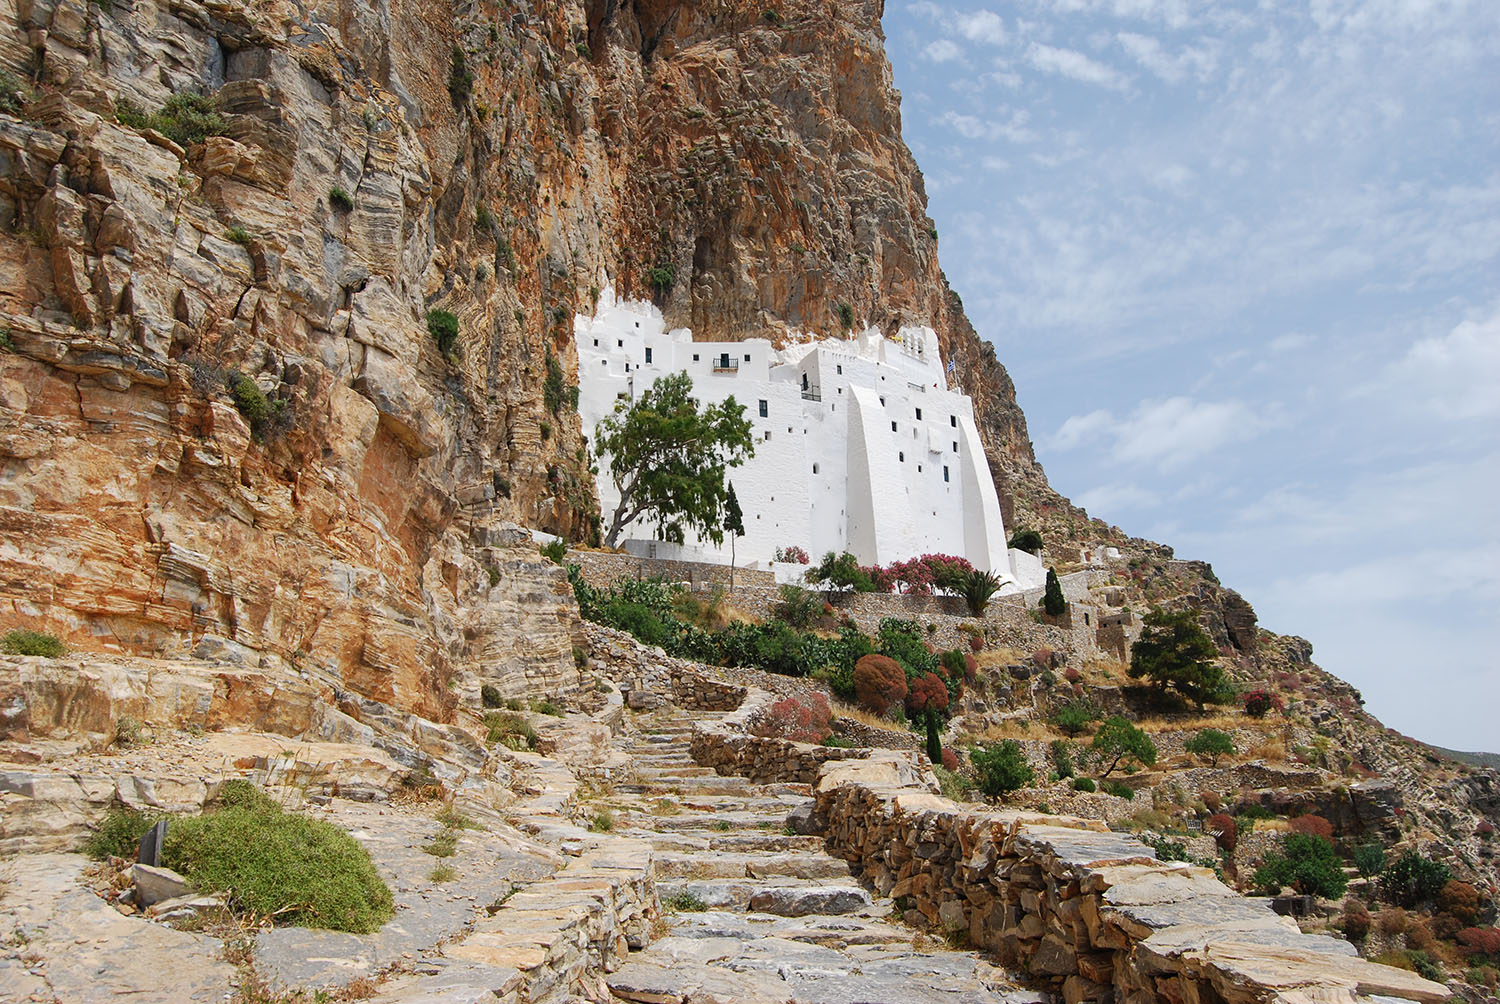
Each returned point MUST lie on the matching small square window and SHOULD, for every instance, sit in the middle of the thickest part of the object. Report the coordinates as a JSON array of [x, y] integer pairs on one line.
[[893, 426], [955, 447], [648, 353], [765, 409], [789, 430], [637, 324], [627, 367], [695, 357], [901, 457], [768, 439], [815, 468], [952, 419], [596, 343], [619, 343], [840, 369], [747, 357], [945, 472], [919, 410], [919, 468]]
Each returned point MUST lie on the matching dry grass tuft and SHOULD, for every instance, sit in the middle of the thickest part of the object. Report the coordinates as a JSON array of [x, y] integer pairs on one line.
[[1221, 720], [842, 710]]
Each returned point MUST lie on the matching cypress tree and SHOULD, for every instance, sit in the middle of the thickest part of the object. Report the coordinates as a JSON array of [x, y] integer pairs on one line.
[[1052, 601]]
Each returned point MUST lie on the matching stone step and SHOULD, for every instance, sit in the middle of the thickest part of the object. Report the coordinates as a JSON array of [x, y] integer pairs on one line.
[[699, 822], [783, 898], [676, 772], [701, 865]]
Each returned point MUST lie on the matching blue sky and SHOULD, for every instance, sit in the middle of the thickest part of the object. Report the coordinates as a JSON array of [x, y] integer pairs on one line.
[[1243, 263]]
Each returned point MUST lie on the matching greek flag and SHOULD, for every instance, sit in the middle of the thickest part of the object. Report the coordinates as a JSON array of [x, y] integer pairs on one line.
[[950, 365]]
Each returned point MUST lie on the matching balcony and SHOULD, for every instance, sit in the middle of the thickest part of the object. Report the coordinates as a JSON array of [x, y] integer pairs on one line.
[[725, 364], [812, 394]]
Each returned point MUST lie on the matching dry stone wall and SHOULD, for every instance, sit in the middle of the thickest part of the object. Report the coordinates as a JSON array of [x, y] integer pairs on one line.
[[1091, 912]]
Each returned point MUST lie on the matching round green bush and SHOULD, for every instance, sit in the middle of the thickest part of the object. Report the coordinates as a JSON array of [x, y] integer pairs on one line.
[[1084, 784], [271, 863], [443, 326], [23, 642]]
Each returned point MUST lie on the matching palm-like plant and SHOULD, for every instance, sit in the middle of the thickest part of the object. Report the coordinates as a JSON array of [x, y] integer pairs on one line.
[[977, 588]]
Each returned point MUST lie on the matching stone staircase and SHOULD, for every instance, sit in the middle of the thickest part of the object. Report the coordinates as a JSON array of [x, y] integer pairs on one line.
[[756, 912]]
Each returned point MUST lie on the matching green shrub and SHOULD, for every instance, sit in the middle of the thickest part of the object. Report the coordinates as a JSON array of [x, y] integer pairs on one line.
[[442, 873], [340, 199], [798, 607], [299, 870], [460, 78], [1369, 859], [1174, 653], [554, 551], [13, 94], [1084, 784], [1424, 966], [954, 785], [239, 235], [19, 641], [1002, 768], [261, 413], [1119, 789], [510, 730], [839, 742], [1062, 758], [1412, 879], [1306, 862], [683, 902], [846, 316], [484, 220], [442, 325], [547, 706], [443, 845], [662, 278], [1026, 540], [554, 387], [1210, 743], [185, 119], [603, 821], [455, 820], [119, 835], [489, 696], [1076, 716]]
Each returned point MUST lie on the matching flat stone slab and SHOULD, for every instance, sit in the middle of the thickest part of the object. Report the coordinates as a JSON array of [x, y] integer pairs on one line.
[[799, 901], [62, 942], [488, 865]]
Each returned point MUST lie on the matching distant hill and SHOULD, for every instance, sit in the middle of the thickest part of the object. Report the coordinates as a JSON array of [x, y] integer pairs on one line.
[[1472, 759]]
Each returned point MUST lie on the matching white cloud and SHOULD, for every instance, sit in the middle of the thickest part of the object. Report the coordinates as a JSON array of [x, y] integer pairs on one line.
[[942, 51], [1012, 129], [982, 26], [1197, 63], [1074, 65], [1167, 434], [1456, 376], [1108, 501]]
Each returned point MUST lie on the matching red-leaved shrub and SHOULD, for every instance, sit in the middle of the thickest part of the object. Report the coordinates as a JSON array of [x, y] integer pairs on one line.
[[976, 643], [879, 682], [803, 721], [1461, 900], [1483, 940], [950, 759], [1356, 920], [1072, 675], [971, 669], [928, 693], [1314, 825], [1222, 828], [1042, 657]]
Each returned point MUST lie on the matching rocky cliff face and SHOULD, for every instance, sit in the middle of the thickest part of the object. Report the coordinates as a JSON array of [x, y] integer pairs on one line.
[[228, 429]]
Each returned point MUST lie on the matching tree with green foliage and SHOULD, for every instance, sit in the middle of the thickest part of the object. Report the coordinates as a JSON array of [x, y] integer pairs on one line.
[[840, 573], [668, 459], [734, 524], [1001, 769], [1210, 743], [1413, 879], [442, 325], [1119, 741], [1306, 862], [1369, 859], [1026, 540], [1174, 653], [1053, 602]]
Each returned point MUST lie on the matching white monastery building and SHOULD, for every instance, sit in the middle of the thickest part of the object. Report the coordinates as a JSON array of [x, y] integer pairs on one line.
[[859, 445]]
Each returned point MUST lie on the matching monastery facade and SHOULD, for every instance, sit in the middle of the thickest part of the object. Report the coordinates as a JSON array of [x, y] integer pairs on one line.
[[859, 445]]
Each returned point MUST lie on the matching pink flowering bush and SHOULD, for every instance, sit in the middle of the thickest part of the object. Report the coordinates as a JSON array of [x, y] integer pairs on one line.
[[805, 720], [792, 554]]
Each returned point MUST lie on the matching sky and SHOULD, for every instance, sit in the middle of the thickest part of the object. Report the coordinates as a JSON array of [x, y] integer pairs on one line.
[[1242, 260]]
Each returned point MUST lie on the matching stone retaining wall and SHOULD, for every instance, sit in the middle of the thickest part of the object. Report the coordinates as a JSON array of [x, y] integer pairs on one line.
[[601, 568], [1091, 912]]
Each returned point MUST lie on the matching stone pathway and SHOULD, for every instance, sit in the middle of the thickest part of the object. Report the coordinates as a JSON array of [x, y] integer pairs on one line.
[[758, 913]]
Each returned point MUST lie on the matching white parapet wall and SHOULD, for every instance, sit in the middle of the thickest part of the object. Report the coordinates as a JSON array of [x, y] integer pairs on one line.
[[859, 445]]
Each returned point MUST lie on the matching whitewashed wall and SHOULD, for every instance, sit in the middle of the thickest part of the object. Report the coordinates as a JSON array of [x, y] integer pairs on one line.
[[861, 447]]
